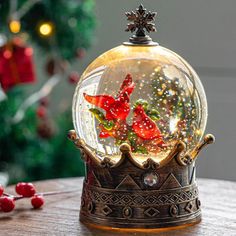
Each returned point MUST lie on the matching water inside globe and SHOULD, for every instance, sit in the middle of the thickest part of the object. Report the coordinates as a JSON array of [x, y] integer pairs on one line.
[[148, 97]]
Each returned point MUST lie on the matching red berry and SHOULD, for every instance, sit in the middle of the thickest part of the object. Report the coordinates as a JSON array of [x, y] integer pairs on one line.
[[29, 190], [20, 188], [1, 190], [7, 204], [37, 201], [41, 112], [25, 189]]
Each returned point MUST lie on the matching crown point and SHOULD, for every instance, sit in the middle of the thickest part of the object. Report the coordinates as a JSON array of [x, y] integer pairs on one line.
[[72, 135], [125, 147], [180, 146], [80, 143], [209, 139]]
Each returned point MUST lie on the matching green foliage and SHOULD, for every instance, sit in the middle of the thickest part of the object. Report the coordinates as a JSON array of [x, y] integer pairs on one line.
[[98, 114], [73, 21], [141, 149], [25, 155], [151, 112], [107, 124]]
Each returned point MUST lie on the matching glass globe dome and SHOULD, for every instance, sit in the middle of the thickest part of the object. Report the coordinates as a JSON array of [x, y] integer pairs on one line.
[[146, 96]]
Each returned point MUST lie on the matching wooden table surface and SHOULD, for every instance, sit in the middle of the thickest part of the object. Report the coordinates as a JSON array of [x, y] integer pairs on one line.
[[60, 215]]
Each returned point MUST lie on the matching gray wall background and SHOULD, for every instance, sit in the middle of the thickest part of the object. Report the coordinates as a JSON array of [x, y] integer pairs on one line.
[[204, 33]]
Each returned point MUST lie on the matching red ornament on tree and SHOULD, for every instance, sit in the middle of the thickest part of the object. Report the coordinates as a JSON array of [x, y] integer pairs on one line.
[[41, 111], [16, 64], [74, 77], [45, 129], [80, 53]]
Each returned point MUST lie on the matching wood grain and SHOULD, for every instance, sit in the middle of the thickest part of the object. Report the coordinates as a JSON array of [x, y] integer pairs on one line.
[[60, 215]]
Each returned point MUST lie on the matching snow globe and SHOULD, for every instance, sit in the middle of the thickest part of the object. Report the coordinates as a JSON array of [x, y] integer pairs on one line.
[[139, 113]]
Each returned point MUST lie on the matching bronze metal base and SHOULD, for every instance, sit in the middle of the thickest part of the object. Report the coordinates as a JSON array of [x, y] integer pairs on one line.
[[144, 228], [140, 230], [132, 195], [142, 209]]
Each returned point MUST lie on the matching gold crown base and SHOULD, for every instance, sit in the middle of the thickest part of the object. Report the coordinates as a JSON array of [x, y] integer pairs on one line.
[[127, 194], [140, 209]]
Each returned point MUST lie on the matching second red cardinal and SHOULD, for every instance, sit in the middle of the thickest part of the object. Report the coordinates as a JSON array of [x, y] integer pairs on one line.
[[143, 126]]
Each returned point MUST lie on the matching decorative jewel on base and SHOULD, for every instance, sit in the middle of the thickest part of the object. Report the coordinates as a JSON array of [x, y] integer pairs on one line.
[[150, 179]]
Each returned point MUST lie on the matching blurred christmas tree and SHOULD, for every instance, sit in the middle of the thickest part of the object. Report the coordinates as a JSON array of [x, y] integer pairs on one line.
[[33, 144]]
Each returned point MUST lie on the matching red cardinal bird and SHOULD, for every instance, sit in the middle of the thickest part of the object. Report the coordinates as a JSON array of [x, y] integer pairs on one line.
[[143, 126], [116, 108]]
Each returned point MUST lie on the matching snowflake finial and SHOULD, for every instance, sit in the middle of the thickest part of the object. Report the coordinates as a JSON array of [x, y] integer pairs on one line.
[[141, 21]]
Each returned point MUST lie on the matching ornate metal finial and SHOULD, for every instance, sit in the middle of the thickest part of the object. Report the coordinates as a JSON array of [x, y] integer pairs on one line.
[[141, 21]]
